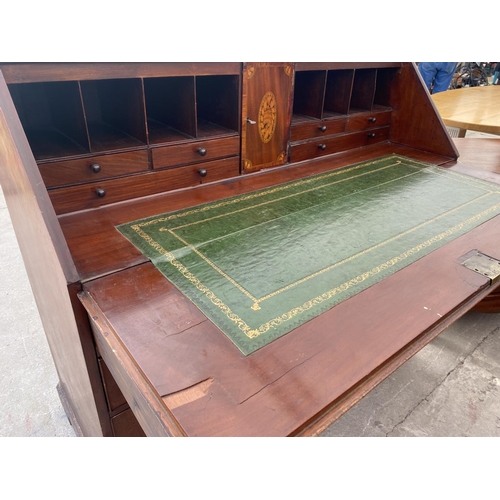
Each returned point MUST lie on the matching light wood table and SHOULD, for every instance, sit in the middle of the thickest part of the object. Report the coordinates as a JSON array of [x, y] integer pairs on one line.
[[471, 108]]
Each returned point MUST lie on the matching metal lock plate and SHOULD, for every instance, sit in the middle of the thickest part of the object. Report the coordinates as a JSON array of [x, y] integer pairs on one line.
[[484, 264]]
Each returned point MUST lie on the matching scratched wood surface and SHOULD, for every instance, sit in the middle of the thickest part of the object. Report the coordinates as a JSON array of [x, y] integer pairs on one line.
[[282, 387], [294, 385]]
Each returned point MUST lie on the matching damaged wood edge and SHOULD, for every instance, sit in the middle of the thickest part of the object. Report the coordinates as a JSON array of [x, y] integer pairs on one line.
[[188, 395], [341, 405], [147, 405]]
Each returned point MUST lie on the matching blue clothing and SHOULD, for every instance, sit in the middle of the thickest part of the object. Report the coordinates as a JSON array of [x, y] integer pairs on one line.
[[497, 72], [438, 73]]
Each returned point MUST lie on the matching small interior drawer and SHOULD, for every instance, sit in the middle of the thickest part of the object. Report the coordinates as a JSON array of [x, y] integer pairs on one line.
[[69, 172], [363, 121], [96, 194], [315, 149], [313, 129], [192, 152]]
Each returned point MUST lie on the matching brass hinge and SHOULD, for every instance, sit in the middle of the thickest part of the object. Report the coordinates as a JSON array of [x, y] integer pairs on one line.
[[483, 264]]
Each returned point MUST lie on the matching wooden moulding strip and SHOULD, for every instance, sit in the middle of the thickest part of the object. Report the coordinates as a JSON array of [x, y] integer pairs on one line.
[[154, 417], [307, 66], [40, 72]]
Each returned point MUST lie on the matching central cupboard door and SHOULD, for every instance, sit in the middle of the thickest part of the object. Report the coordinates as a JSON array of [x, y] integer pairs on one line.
[[266, 114]]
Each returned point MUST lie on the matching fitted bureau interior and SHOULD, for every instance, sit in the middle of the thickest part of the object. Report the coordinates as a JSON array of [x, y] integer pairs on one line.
[[83, 132], [333, 108], [102, 141], [91, 137], [65, 119]]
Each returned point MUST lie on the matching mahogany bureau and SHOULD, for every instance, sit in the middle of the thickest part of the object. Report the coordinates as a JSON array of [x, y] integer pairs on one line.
[[86, 147]]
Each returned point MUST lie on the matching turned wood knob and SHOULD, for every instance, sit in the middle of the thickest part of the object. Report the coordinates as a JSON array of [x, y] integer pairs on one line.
[[202, 151], [322, 128], [322, 146], [372, 119], [202, 172], [371, 135], [95, 167], [100, 192]]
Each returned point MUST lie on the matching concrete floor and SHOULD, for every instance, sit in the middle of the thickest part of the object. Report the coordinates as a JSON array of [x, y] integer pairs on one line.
[[29, 403], [450, 388]]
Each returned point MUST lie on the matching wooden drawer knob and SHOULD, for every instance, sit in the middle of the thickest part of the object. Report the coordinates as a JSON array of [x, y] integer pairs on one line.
[[322, 146], [322, 128], [371, 136], [202, 172], [372, 119], [101, 193], [95, 167], [202, 151]]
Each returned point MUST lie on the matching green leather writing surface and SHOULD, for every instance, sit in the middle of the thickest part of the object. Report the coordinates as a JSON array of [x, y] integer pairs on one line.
[[261, 264]]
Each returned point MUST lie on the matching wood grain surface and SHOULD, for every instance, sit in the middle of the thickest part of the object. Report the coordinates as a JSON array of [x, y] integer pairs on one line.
[[298, 383], [49, 266], [286, 385], [471, 108]]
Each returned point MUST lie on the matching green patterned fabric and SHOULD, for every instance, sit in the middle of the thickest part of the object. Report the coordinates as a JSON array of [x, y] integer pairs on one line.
[[261, 264]]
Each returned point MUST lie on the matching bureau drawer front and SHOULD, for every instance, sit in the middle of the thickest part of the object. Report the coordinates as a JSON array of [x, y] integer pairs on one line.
[[192, 152], [368, 120], [311, 130], [96, 194], [316, 149], [125, 424], [114, 396], [93, 168]]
